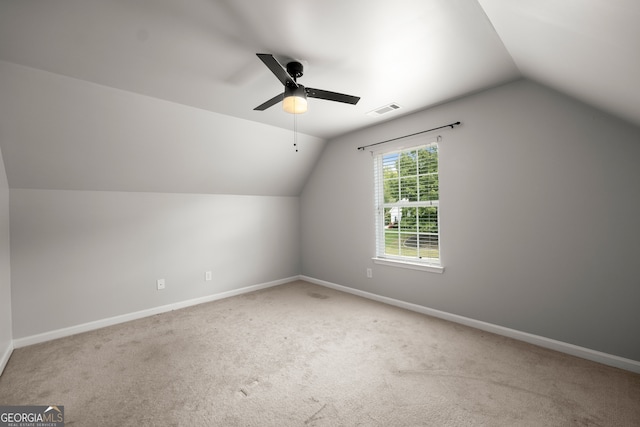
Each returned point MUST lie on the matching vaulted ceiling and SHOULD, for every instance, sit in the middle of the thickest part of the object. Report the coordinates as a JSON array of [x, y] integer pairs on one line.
[[158, 95]]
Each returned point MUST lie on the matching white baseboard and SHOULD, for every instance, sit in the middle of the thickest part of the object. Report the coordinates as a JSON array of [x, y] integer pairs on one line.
[[574, 350], [90, 326], [4, 359]]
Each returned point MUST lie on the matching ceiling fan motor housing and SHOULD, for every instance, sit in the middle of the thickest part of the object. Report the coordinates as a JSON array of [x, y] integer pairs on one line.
[[295, 69]]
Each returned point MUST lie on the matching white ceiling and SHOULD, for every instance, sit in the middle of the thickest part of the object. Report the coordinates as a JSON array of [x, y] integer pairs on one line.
[[200, 55]]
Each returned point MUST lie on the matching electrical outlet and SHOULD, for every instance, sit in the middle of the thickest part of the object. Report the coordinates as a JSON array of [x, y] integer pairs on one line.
[[369, 273], [160, 284], [207, 276]]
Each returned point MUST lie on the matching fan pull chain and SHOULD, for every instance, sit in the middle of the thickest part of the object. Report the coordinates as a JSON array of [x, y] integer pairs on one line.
[[295, 132]]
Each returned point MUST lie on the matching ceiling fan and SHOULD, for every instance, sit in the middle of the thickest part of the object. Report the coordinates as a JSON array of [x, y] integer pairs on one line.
[[294, 97]]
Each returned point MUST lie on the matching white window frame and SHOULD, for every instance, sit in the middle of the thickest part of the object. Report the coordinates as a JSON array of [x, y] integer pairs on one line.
[[433, 265]]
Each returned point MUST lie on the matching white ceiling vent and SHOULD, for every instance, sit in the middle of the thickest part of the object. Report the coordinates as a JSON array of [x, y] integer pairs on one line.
[[386, 109]]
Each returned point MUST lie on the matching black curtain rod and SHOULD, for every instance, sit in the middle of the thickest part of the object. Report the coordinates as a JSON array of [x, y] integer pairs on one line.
[[451, 125]]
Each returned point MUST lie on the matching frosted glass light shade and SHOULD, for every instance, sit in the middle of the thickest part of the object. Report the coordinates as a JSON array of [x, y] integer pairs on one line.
[[295, 100]]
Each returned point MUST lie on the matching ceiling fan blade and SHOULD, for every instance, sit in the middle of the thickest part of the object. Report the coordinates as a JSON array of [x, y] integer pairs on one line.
[[270, 103], [277, 69], [332, 96]]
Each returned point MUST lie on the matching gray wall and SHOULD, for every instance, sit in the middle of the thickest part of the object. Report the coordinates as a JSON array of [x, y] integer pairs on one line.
[[540, 202], [81, 256], [5, 272]]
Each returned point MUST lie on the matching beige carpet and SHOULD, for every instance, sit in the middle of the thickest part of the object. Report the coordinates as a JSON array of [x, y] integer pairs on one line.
[[304, 355]]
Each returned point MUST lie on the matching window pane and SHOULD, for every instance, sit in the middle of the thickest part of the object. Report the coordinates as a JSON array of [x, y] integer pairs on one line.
[[429, 187], [408, 245], [408, 220], [391, 242], [408, 163], [392, 217], [427, 240], [428, 160], [409, 189], [390, 163], [429, 248], [391, 190], [428, 220]]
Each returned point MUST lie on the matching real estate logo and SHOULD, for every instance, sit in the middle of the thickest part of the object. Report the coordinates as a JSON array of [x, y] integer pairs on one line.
[[32, 416]]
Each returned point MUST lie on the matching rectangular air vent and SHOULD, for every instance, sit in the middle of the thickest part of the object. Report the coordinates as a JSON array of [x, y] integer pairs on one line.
[[383, 110]]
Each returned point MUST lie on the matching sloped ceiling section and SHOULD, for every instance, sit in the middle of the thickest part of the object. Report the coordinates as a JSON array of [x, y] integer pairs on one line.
[[158, 95], [589, 50], [67, 134], [203, 52]]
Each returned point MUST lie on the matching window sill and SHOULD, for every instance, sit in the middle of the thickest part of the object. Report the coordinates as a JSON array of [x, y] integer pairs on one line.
[[410, 265]]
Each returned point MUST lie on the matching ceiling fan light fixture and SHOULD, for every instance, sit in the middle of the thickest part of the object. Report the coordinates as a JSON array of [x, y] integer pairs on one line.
[[295, 100]]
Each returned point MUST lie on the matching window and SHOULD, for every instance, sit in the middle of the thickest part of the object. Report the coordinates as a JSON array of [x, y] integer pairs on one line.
[[407, 205]]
